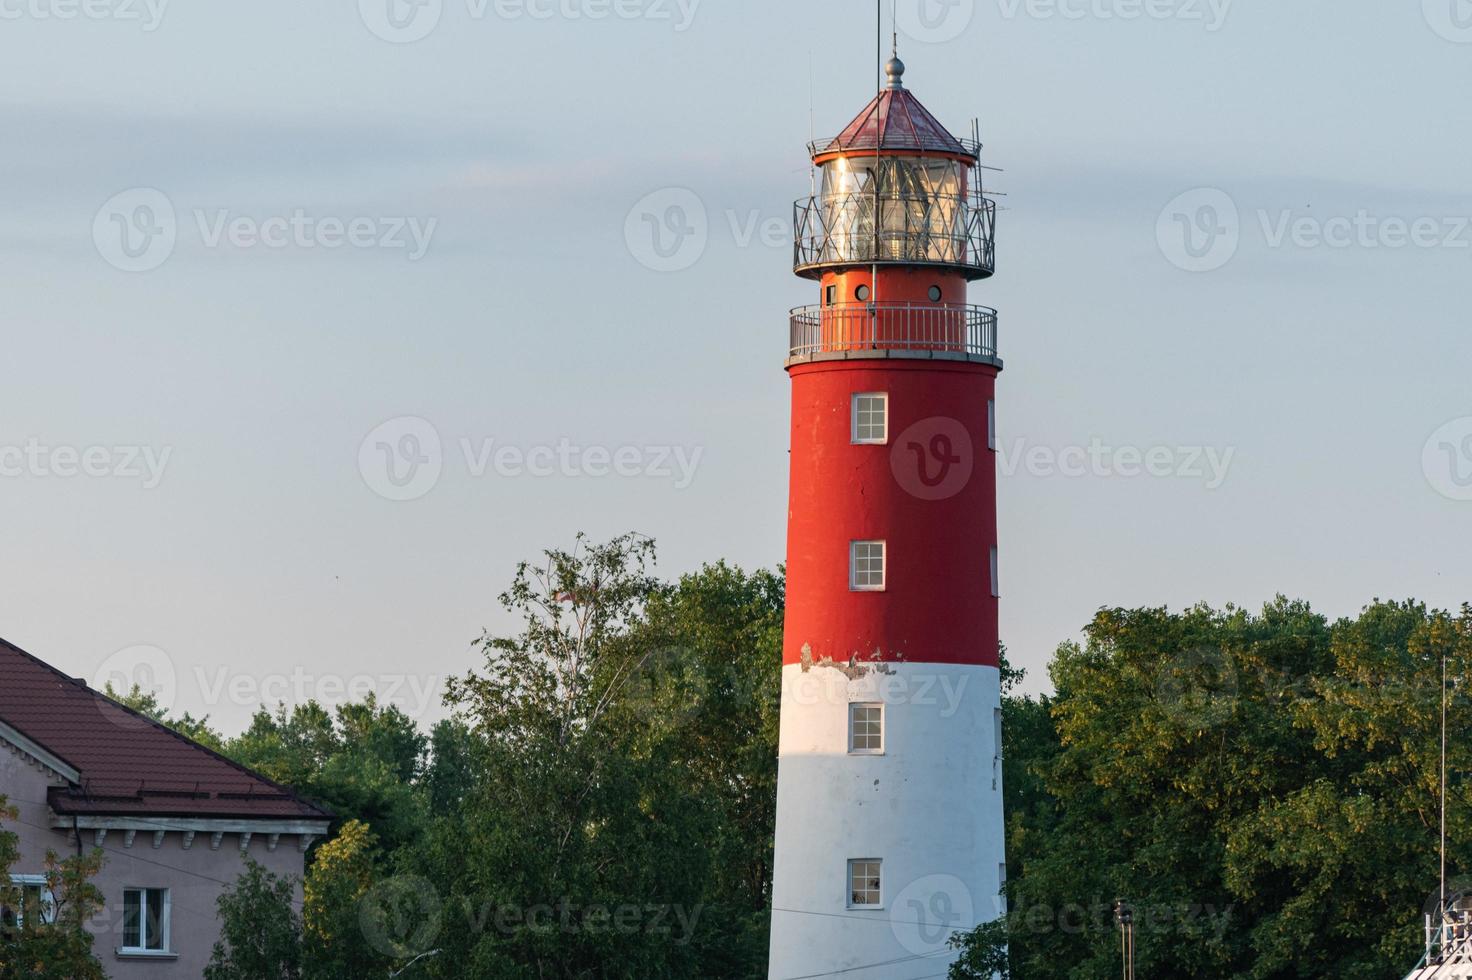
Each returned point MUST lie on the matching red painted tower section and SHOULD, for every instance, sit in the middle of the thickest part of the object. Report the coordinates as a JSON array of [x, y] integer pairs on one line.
[[893, 319], [930, 496]]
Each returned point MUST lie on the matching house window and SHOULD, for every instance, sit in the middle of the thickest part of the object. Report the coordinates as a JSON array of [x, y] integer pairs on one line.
[[145, 920], [864, 884], [870, 418], [866, 566], [37, 904], [996, 584], [934, 294], [830, 295], [862, 293], [991, 424], [866, 729]]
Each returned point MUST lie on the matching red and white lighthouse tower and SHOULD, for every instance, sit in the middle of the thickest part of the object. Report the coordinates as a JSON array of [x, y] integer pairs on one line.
[[889, 800]]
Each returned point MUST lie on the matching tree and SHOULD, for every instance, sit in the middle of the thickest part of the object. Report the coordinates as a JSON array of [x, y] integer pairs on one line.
[[260, 931], [983, 953], [618, 822], [341, 942], [146, 703], [41, 946], [360, 761], [1261, 788]]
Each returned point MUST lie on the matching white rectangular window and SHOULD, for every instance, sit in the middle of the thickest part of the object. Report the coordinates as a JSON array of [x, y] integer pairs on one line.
[[146, 920], [866, 729], [864, 881], [871, 418], [866, 566], [991, 424], [996, 583], [36, 902]]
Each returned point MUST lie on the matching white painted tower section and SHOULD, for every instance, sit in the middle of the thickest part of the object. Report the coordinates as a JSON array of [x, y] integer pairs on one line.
[[926, 805]]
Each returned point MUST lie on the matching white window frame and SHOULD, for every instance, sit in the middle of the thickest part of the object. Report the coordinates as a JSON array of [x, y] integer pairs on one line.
[[166, 947], [48, 900], [849, 869], [853, 710], [853, 567], [853, 427]]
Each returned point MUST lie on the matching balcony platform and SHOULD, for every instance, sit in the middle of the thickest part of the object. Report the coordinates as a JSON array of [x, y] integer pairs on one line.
[[859, 331]]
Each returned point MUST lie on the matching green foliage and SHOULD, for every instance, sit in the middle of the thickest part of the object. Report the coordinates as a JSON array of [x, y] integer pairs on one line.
[[361, 761], [1262, 788], [146, 703], [260, 932], [620, 821], [38, 949], [983, 953], [343, 872]]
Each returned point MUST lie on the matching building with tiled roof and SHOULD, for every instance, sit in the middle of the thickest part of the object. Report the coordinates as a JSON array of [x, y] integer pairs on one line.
[[174, 819]]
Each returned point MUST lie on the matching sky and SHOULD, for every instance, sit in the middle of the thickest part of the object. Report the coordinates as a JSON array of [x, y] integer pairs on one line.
[[317, 318]]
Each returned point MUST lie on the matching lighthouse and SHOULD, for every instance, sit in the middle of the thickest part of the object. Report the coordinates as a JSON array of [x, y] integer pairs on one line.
[[889, 802]]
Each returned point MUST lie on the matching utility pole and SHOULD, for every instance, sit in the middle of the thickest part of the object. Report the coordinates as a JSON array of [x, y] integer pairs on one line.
[[1125, 916]]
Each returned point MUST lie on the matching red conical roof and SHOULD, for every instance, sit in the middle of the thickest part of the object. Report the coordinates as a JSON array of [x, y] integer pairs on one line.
[[895, 120]]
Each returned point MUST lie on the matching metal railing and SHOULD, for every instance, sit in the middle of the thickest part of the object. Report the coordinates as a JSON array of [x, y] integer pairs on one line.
[[970, 148], [958, 232], [946, 330], [1448, 947]]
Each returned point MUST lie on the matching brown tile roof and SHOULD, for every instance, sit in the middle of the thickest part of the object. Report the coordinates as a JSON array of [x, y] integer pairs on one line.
[[895, 120], [130, 764]]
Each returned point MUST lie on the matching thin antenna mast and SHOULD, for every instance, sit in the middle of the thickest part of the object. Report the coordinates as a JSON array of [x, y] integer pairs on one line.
[[1443, 785], [878, 139], [812, 126]]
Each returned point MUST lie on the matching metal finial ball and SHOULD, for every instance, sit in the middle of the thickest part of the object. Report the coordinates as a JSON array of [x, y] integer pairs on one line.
[[895, 69]]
